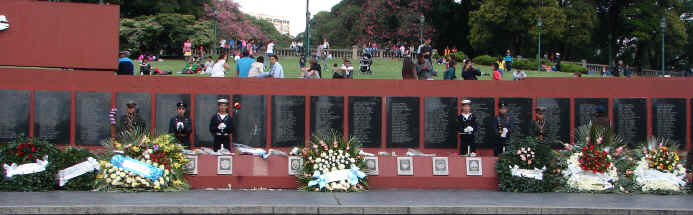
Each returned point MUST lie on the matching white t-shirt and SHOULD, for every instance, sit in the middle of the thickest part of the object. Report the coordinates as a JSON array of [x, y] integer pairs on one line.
[[270, 48], [218, 69]]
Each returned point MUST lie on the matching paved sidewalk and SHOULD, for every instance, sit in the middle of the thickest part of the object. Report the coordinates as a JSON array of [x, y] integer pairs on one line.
[[371, 202]]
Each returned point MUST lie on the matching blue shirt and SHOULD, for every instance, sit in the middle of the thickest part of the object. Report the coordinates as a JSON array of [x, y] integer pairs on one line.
[[509, 58], [126, 59], [243, 66], [276, 70]]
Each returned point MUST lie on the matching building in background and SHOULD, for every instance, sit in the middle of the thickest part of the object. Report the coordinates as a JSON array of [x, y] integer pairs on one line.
[[281, 23]]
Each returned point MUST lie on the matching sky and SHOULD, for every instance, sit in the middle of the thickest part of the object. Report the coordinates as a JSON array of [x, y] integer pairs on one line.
[[294, 10]]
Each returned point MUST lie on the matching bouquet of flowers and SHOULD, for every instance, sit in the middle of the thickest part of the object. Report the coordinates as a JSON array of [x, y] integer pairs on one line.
[[659, 169], [140, 163], [589, 165], [593, 158], [331, 164]]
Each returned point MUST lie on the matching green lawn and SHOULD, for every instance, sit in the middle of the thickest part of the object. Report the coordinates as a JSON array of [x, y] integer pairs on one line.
[[382, 69]]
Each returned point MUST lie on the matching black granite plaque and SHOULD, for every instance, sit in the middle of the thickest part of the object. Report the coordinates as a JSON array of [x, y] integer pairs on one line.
[[365, 120], [91, 117], [440, 119], [557, 117], [520, 111], [249, 122], [14, 114], [484, 110], [143, 101], [630, 120], [52, 116], [669, 119], [205, 108], [585, 109], [166, 109], [326, 115], [403, 122], [288, 121]]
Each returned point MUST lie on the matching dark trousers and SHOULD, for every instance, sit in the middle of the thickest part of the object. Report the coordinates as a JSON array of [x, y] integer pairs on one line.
[[500, 143], [220, 140], [467, 140], [508, 66], [184, 140]]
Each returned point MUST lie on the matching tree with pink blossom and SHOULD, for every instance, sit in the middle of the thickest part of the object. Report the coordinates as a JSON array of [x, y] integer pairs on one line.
[[232, 22]]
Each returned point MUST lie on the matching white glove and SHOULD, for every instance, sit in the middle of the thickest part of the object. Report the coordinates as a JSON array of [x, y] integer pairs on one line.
[[504, 134], [469, 129], [180, 126], [221, 126]]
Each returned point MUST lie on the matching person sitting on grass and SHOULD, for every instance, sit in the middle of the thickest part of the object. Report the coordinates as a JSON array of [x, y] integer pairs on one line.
[[469, 72], [519, 75], [347, 67], [449, 74], [496, 73], [313, 72], [191, 67], [208, 65], [338, 72], [145, 67], [257, 68]]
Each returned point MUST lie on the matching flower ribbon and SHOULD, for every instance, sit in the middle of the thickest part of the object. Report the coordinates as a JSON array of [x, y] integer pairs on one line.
[[535, 173], [138, 167], [352, 175], [24, 169], [77, 170]]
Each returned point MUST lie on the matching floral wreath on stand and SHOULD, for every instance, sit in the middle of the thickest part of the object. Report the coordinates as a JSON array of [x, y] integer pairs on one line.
[[331, 164], [135, 162], [590, 166], [656, 168], [528, 167]]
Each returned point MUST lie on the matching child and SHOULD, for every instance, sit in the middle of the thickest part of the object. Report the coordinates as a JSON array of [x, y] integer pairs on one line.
[[449, 74], [338, 73], [496, 74], [145, 67]]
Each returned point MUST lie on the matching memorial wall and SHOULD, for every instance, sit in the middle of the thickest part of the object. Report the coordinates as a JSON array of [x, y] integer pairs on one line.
[[286, 113]]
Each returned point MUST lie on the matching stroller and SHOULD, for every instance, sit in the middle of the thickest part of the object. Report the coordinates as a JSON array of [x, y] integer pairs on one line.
[[366, 63]]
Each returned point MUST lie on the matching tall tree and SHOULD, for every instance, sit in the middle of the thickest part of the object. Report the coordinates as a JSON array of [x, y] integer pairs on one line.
[[232, 22]]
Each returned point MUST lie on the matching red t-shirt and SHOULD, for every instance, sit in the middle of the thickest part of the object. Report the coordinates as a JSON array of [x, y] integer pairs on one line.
[[497, 75]]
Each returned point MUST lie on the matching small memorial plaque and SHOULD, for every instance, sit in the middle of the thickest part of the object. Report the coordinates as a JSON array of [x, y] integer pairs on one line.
[[14, 114], [326, 115], [669, 120], [371, 165], [288, 121], [405, 166], [224, 165], [365, 120], [249, 122], [91, 112], [440, 119], [630, 120], [440, 166], [190, 168], [52, 116], [403, 122], [474, 166], [295, 165]]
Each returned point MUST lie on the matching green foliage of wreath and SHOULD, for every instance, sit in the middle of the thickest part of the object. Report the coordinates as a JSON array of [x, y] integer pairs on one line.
[[544, 157], [24, 150]]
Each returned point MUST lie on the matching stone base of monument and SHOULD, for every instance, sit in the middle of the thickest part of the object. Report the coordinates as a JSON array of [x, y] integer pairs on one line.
[[248, 172]]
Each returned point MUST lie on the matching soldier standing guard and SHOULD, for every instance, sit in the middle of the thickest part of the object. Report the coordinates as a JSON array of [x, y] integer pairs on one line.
[[132, 120], [180, 125], [541, 131], [467, 127], [502, 123], [220, 125]]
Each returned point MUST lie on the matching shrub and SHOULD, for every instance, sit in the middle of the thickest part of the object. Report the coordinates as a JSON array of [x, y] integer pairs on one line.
[[484, 60], [572, 68]]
